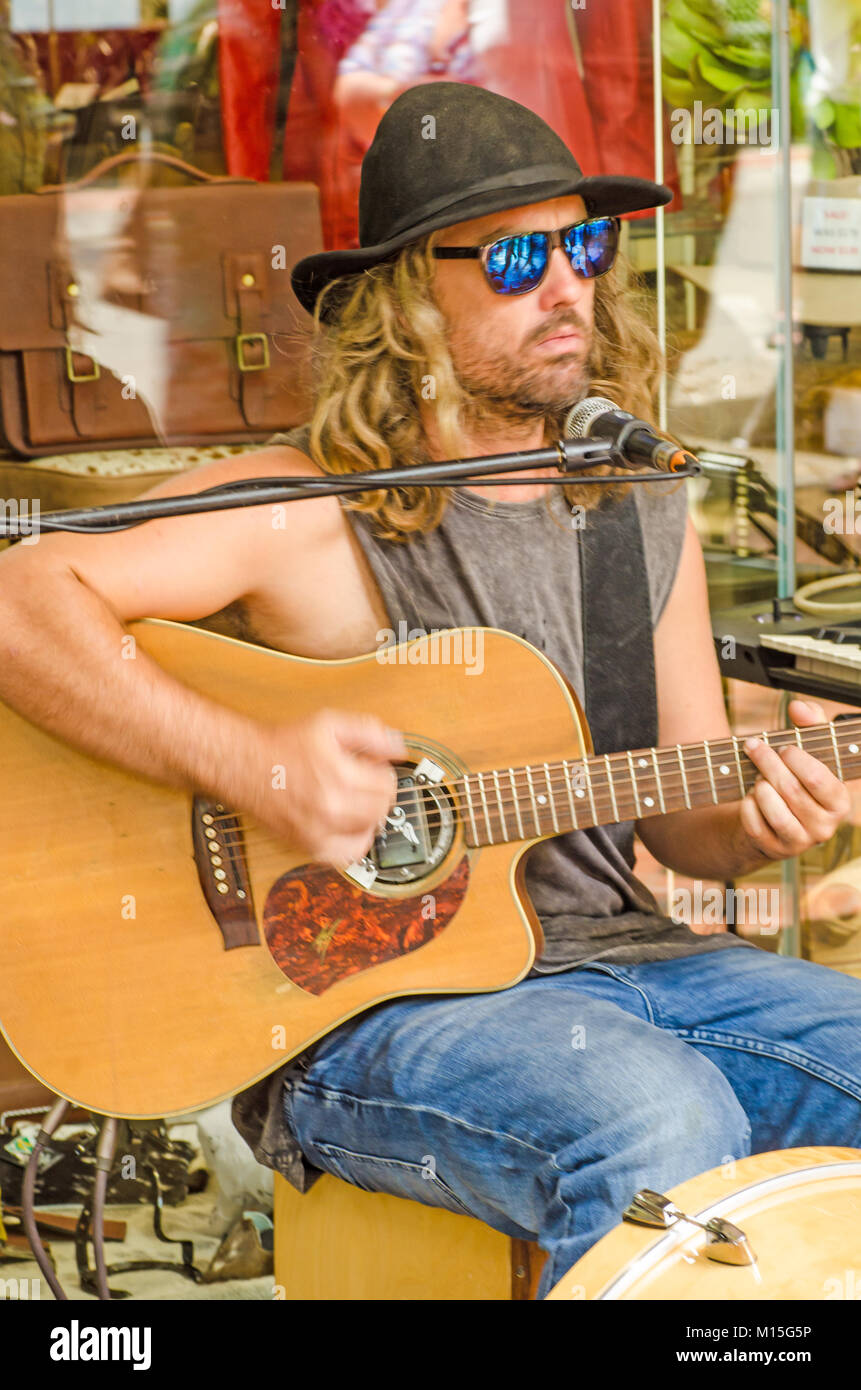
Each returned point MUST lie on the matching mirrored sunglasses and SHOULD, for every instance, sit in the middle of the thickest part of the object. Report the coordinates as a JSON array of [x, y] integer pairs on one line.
[[518, 264]]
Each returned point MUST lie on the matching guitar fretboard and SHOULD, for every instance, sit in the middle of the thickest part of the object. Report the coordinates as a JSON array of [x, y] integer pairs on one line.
[[519, 803]]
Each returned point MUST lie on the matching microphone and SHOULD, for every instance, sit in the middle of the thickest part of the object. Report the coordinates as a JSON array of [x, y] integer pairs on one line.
[[634, 440]]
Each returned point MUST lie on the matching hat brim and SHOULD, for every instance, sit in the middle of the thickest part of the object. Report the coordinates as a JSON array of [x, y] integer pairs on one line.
[[605, 195]]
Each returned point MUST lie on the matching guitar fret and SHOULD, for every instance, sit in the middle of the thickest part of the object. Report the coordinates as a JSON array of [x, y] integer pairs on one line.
[[720, 755], [505, 834], [566, 772], [534, 802], [711, 773], [634, 785], [469, 807], [836, 750], [590, 791], [684, 775], [550, 796], [738, 767], [611, 787], [484, 804], [658, 782], [516, 799]]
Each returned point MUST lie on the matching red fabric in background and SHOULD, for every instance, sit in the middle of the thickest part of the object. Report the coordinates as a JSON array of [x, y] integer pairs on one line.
[[248, 61], [249, 68], [616, 42]]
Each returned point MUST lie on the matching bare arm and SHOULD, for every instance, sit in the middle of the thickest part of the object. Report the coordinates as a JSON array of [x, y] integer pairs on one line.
[[63, 603], [797, 801]]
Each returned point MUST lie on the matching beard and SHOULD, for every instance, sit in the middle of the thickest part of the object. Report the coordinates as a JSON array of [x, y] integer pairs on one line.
[[501, 387], [504, 388]]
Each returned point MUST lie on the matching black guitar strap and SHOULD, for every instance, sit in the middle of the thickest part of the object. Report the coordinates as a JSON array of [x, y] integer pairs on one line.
[[618, 647]]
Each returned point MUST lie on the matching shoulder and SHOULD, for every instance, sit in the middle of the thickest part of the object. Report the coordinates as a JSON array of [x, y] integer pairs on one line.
[[662, 506], [313, 516], [663, 512]]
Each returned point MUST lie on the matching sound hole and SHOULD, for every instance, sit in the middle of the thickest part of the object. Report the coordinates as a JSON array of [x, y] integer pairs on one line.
[[418, 832]]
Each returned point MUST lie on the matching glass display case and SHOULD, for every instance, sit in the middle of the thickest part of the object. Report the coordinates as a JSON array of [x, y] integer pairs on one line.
[[749, 109], [759, 289]]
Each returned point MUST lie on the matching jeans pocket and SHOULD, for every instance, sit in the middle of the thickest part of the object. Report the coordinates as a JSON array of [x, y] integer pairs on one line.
[[418, 1181]]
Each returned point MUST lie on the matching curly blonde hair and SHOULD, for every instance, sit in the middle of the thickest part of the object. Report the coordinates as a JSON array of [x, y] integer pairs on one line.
[[383, 347]]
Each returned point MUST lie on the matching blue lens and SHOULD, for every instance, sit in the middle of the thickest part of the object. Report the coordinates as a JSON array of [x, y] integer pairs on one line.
[[591, 246], [517, 263]]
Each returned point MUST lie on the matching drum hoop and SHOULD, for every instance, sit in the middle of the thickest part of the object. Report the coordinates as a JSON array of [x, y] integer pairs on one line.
[[680, 1233]]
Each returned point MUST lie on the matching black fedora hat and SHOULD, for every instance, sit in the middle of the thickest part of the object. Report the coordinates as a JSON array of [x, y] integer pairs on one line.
[[445, 152]]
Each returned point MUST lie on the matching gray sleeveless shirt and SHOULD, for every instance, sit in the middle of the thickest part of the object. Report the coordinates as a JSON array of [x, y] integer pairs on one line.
[[515, 566]]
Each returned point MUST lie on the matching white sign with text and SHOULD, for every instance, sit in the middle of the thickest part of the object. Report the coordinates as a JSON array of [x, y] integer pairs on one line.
[[831, 234]]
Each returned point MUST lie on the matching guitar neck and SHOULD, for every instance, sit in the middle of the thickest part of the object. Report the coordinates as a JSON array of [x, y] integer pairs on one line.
[[509, 804]]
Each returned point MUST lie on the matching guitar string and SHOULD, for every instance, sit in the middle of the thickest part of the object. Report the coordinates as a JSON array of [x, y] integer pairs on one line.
[[543, 825], [694, 780], [720, 751], [694, 768]]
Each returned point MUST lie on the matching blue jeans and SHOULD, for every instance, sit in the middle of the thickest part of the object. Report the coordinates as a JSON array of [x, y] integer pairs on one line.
[[543, 1108]]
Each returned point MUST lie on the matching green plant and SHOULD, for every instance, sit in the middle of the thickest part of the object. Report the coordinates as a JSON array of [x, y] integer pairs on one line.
[[718, 52], [836, 118]]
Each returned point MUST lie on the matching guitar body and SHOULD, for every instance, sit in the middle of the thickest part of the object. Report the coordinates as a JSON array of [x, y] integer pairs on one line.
[[124, 990]]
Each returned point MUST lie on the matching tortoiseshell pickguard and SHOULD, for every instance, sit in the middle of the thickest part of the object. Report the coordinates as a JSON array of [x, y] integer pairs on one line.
[[320, 928]]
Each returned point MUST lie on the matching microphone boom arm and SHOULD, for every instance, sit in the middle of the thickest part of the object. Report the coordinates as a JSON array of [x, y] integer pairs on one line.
[[568, 456]]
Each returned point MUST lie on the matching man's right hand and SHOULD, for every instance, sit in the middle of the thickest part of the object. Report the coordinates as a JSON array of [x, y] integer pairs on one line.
[[326, 782]]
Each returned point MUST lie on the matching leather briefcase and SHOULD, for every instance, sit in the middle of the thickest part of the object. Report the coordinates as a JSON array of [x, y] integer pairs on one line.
[[141, 314]]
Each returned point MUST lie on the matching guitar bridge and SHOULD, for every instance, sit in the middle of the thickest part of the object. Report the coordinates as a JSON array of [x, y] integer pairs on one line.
[[219, 855]]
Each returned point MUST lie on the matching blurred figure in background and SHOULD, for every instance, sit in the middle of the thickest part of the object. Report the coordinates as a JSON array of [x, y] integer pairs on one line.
[[586, 72], [405, 43]]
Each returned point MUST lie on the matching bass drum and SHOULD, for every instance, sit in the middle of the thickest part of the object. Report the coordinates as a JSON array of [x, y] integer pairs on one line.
[[800, 1210]]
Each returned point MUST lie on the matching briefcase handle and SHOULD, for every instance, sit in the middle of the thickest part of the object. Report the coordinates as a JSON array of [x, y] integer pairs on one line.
[[134, 157]]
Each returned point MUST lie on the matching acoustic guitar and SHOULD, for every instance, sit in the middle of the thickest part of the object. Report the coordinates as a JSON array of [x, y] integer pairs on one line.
[[159, 951]]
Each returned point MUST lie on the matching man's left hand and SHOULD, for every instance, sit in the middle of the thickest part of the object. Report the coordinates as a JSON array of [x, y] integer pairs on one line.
[[797, 801]]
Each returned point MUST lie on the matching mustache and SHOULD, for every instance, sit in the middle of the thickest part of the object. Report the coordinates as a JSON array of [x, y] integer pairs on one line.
[[569, 319]]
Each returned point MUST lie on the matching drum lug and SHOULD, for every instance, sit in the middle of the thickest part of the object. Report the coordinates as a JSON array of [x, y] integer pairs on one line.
[[648, 1208], [725, 1243]]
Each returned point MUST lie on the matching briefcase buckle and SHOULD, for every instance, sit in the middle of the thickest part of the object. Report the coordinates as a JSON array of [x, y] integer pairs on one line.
[[85, 376], [242, 340]]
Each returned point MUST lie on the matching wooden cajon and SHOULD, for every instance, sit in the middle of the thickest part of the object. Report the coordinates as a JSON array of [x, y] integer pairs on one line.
[[339, 1242]]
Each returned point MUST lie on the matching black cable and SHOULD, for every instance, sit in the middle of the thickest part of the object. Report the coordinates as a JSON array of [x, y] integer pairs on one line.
[[99, 518], [567, 456], [104, 1162], [28, 1190]]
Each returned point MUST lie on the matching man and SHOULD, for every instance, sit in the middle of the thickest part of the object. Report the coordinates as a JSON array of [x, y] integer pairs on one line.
[[636, 1052]]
